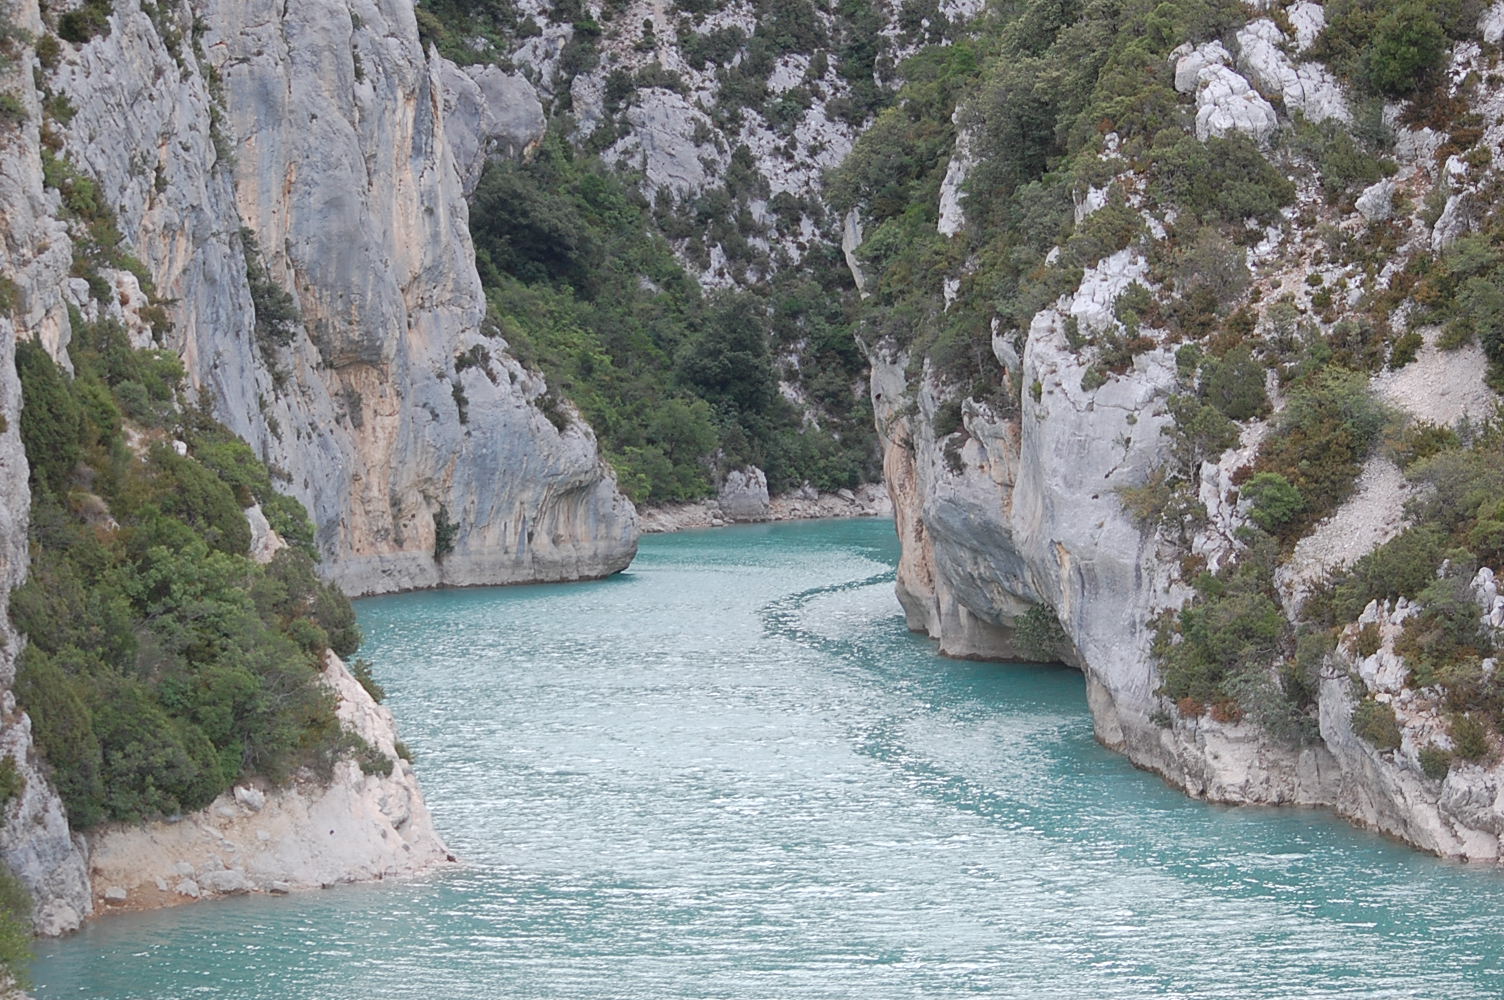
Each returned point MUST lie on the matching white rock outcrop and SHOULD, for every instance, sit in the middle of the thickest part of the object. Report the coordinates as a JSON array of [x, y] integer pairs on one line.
[[308, 834], [1225, 102], [1308, 88], [744, 495], [487, 113]]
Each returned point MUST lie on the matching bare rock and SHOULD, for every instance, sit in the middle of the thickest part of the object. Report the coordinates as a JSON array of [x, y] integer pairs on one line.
[[744, 495]]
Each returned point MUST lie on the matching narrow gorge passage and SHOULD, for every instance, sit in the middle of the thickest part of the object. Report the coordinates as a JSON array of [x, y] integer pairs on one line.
[[731, 772]]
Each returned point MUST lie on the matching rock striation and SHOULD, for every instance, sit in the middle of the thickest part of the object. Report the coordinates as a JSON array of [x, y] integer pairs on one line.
[[317, 146], [320, 129]]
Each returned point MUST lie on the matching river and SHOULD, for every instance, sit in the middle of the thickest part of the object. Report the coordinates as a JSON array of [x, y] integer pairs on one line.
[[732, 773]]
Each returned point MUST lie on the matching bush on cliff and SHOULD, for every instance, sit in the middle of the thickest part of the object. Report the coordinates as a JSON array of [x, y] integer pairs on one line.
[[162, 664]]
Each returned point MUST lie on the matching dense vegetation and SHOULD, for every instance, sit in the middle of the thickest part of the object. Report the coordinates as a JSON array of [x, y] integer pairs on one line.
[[1036, 91], [163, 664], [678, 384]]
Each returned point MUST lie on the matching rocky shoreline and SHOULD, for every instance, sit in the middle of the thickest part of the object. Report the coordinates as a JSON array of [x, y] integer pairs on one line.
[[867, 500]]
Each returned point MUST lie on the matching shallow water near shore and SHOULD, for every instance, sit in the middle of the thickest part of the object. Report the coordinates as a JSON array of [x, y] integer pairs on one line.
[[731, 772]]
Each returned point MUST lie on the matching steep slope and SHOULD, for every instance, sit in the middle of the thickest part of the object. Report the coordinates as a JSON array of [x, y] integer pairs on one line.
[[269, 195], [1127, 428], [319, 131]]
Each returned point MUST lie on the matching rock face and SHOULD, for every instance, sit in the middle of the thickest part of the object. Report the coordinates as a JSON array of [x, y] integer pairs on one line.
[[488, 112], [1225, 102], [357, 827], [35, 842], [744, 495], [1018, 513], [324, 133], [318, 132]]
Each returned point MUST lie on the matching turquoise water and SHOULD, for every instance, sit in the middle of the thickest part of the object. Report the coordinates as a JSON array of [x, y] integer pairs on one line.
[[732, 773]]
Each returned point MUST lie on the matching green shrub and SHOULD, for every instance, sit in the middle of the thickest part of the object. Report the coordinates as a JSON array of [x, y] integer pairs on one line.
[[1040, 634], [64, 730], [1375, 722], [51, 419], [1231, 629], [1234, 384], [90, 21], [1405, 350], [1222, 179], [15, 928], [1469, 737], [1435, 763], [1400, 567], [444, 532], [1370, 640], [1326, 432], [1274, 501], [1406, 49], [12, 782], [277, 318], [361, 670]]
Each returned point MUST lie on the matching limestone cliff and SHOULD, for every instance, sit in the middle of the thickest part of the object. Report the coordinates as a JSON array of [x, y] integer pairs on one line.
[[1019, 508], [320, 129], [271, 193], [356, 826]]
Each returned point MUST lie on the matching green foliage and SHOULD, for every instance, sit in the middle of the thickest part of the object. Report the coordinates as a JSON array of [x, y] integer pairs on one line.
[[1274, 501], [1223, 179], [361, 670], [1375, 722], [89, 21], [12, 111], [15, 928], [1234, 384], [1040, 633], [51, 418], [1230, 634], [12, 783], [1327, 430], [670, 379], [277, 317], [1469, 737], [162, 664], [1342, 161], [444, 533], [1435, 763], [1392, 47], [1407, 46]]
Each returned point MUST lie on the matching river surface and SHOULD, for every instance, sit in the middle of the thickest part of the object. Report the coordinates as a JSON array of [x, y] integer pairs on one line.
[[732, 773]]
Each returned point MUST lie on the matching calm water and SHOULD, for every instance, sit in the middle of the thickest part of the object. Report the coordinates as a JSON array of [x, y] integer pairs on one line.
[[732, 773]]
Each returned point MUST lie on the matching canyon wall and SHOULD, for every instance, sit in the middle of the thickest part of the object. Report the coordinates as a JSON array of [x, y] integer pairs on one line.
[[1020, 509]]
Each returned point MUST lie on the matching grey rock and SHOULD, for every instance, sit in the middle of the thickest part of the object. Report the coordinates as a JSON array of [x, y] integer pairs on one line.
[[744, 495], [1308, 88], [661, 142], [356, 197], [487, 113], [115, 896], [1225, 102], [851, 241], [1376, 203], [225, 881], [250, 797]]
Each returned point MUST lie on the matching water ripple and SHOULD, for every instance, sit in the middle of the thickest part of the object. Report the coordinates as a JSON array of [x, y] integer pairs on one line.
[[733, 773]]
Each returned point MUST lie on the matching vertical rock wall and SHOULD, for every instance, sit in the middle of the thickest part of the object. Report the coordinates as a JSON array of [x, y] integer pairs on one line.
[[320, 128], [35, 255]]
